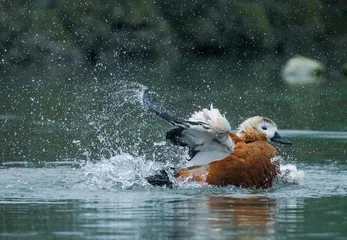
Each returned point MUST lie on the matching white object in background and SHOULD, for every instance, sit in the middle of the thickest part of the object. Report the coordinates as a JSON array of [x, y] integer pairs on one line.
[[301, 70]]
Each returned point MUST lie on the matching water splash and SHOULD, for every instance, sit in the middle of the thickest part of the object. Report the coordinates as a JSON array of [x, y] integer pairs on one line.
[[125, 145], [121, 172], [290, 174]]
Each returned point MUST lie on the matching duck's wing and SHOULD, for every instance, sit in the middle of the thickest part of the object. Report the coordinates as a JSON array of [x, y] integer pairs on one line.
[[205, 133]]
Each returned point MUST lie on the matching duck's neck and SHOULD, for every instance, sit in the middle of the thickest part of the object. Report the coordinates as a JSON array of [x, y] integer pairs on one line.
[[251, 135]]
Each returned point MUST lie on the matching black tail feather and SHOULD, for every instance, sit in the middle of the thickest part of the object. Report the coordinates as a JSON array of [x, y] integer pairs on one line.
[[160, 179]]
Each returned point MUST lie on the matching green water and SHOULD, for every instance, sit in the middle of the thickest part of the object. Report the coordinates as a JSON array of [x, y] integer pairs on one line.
[[76, 146]]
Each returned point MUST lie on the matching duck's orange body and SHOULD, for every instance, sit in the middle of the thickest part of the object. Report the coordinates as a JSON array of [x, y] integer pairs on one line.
[[250, 165]]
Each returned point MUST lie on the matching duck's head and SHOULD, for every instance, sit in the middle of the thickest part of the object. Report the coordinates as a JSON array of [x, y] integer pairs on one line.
[[260, 129]]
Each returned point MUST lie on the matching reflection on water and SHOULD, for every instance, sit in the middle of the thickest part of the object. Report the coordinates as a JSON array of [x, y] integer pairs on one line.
[[128, 218], [38, 220], [144, 215], [254, 216]]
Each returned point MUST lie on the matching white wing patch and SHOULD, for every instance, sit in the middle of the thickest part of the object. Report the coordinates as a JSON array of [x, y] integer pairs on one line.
[[213, 119], [208, 134], [206, 157]]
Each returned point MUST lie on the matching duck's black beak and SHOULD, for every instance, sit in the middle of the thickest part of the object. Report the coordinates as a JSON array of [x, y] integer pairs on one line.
[[279, 139]]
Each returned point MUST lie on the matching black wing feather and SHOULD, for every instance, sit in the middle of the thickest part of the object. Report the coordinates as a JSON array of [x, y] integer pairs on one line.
[[162, 113]]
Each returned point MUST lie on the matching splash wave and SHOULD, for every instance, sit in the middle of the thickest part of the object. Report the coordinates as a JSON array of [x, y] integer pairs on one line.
[[289, 173], [122, 171]]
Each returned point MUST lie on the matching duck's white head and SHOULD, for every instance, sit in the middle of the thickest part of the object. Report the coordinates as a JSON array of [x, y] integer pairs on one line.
[[260, 128]]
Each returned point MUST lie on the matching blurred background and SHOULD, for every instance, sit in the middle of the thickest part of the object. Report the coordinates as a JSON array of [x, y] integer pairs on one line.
[[71, 71]]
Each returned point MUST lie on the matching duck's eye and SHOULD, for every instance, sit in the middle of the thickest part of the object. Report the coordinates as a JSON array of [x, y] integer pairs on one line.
[[264, 127]]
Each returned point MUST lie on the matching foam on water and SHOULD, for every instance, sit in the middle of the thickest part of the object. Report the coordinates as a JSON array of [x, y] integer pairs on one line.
[[122, 171], [290, 174], [128, 172]]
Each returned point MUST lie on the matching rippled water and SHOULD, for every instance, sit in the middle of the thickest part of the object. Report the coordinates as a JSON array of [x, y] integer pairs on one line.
[[75, 157]]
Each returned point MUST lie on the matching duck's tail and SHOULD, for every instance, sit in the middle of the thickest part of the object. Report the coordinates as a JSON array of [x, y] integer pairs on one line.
[[160, 179]]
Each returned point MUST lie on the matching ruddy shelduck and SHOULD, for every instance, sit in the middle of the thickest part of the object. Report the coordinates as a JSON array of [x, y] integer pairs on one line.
[[218, 156]]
